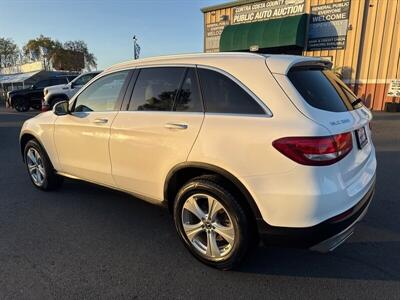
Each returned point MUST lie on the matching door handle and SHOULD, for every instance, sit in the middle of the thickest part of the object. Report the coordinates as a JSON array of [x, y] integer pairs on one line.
[[100, 121], [176, 126]]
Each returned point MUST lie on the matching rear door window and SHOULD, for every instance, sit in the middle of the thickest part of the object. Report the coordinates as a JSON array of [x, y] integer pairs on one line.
[[222, 95], [156, 88], [322, 89], [188, 98]]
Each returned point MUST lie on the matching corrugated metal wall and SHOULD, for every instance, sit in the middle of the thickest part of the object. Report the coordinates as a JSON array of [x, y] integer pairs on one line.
[[372, 54], [213, 17], [371, 57]]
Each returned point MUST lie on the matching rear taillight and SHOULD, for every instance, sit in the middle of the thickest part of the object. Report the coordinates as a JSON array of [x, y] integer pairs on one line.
[[315, 151]]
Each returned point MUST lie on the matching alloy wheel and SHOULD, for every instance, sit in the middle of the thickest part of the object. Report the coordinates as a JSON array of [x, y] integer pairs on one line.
[[208, 226], [35, 166]]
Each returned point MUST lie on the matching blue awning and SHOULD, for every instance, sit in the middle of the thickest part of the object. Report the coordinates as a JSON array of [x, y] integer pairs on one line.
[[16, 78]]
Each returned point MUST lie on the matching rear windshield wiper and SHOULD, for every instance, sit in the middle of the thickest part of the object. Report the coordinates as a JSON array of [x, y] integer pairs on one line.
[[356, 102]]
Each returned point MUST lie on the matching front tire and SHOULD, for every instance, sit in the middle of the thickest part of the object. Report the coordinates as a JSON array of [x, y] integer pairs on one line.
[[40, 169], [212, 223]]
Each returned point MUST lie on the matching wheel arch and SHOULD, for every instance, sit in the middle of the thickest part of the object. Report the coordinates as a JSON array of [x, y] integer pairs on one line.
[[25, 138], [55, 96], [183, 172]]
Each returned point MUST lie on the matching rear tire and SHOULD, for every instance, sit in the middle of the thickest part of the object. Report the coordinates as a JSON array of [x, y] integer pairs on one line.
[[219, 237], [37, 106], [40, 169], [21, 104]]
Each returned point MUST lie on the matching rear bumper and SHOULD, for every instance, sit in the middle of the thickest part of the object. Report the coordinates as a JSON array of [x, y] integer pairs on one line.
[[324, 236]]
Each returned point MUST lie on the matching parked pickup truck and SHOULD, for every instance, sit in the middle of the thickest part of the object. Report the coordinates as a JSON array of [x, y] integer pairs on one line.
[[24, 99], [61, 92]]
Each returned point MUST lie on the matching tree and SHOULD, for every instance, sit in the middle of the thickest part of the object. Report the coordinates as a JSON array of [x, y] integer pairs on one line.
[[68, 60], [8, 52], [81, 46], [68, 56], [42, 47]]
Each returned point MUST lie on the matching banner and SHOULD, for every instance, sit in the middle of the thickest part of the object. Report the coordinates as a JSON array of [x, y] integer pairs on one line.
[[328, 26], [213, 34], [265, 10]]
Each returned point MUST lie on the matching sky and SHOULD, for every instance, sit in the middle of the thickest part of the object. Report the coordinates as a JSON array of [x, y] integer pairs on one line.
[[107, 26]]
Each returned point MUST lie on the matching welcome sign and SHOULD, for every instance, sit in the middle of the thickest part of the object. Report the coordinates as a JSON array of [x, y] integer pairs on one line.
[[328, 26]]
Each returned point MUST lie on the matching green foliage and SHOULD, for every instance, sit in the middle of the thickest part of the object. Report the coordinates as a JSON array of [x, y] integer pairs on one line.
[[80, 46], [8, 52], [68, 60], [50, 46], [61, 54]]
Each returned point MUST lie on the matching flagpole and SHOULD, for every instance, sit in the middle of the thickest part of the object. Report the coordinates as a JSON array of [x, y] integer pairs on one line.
[[134, 47]]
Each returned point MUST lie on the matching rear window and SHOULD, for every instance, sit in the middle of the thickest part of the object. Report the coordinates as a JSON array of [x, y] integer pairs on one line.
[[322, 89]]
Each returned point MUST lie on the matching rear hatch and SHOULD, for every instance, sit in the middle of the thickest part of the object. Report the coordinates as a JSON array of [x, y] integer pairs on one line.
[[321, 96]]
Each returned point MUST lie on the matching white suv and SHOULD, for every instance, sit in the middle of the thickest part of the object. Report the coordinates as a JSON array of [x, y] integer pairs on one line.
[[238, 146], [57, 93]]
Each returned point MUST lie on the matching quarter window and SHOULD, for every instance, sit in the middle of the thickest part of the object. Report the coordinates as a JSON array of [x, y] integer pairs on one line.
[[101, 95], [223, 95], [156, 89]]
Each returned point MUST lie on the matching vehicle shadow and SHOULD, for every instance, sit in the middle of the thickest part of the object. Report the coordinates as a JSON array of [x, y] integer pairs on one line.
[[385, 116], [127, 216], [352, 260], [372, 253]]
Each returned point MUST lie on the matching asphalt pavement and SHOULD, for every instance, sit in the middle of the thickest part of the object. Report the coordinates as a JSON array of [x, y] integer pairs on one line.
[[85, 241]]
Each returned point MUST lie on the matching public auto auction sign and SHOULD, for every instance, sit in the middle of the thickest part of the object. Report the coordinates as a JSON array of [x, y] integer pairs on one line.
[[265, 10], [328, 26]]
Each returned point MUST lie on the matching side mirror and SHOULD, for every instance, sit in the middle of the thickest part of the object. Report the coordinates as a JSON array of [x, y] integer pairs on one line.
[[72, 85], [61, 108]]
